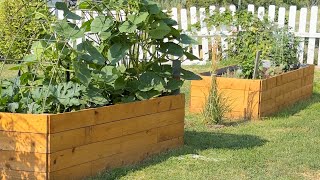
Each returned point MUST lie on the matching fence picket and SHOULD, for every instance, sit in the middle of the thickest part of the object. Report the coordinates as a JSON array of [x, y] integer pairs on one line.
[[251, 8], [312, 29], [224, 43], [271, 13], [194, 20], [204, 31], [261, 13], [302, 29], [292, 18], [281, 16]]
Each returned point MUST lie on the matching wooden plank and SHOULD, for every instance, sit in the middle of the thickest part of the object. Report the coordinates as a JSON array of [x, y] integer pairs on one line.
[[224, 40], [33, 123], [271, 82], [167, 145], [312, 29], [170, 132], [184, 28], [138, 140], [143, 123], [238, 84], [11, 174], [135, 155], [281, 17], [82, 154], [23, 161], [75, 172], [267, 105], [199, 91], [307, 80], [194, 20], [261, 12], [271, 13], [107, 163], [23, 142], [204, 31], [251, 8], [292, 18], [308, 70], [89, 117], [82, 136], [302, 29]]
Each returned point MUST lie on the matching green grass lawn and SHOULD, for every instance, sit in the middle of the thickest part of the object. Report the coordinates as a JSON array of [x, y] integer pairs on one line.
[[285, 146]]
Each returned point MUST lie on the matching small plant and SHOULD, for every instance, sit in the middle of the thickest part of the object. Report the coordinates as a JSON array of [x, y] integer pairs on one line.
[[216, 105]]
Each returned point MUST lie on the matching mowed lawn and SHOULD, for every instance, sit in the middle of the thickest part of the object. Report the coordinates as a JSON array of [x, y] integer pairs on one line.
[[285, 146]]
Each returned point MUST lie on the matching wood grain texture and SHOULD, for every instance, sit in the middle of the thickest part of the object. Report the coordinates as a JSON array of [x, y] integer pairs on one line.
[[256, 98], [80, 144], [18, 175], [89, 117], [82, 136], [33, 123], [23, 142], [23, 161]]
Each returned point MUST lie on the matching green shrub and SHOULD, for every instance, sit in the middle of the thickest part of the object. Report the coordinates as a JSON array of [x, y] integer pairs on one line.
[[216, 106], [21, 21]]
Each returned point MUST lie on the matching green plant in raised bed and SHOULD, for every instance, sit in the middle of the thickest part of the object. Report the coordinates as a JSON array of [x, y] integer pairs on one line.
[[105, 67], [276, 44]]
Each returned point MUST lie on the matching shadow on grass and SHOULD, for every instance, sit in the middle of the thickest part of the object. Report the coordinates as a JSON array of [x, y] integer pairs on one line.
[[194, 142], [298, 106]]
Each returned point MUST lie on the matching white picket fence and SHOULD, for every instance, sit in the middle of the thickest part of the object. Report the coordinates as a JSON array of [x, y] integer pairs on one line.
[[188, 17]]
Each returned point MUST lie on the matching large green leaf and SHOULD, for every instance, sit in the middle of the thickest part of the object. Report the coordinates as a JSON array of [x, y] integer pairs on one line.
[[190, 56], [159, 30], [143, 95], [150, 80], [154, 9], [188, 75], [174, 84], [185, 39], [90, 53], [82, 72], [95, 96], [68, 30], [66, 12], [137, 19], [12, 107], [100, 24], [127, 27], [172, 49], [116, 52]]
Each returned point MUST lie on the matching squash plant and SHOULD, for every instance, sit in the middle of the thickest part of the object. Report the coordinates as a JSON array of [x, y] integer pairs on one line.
[[105, 68]]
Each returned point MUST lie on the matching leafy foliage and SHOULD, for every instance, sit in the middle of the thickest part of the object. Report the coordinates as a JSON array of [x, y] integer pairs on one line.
[[276, 44], [20, 22], [105, 68]]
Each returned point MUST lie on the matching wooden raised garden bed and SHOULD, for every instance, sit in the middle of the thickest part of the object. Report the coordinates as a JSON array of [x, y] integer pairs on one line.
[[253, 99], [80, 144]]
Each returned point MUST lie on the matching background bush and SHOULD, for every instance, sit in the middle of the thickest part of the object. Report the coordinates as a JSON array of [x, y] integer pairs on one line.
[[21, 21]]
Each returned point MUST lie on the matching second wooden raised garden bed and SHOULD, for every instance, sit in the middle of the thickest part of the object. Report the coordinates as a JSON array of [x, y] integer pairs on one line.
[[79, 144], [253, 99]]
